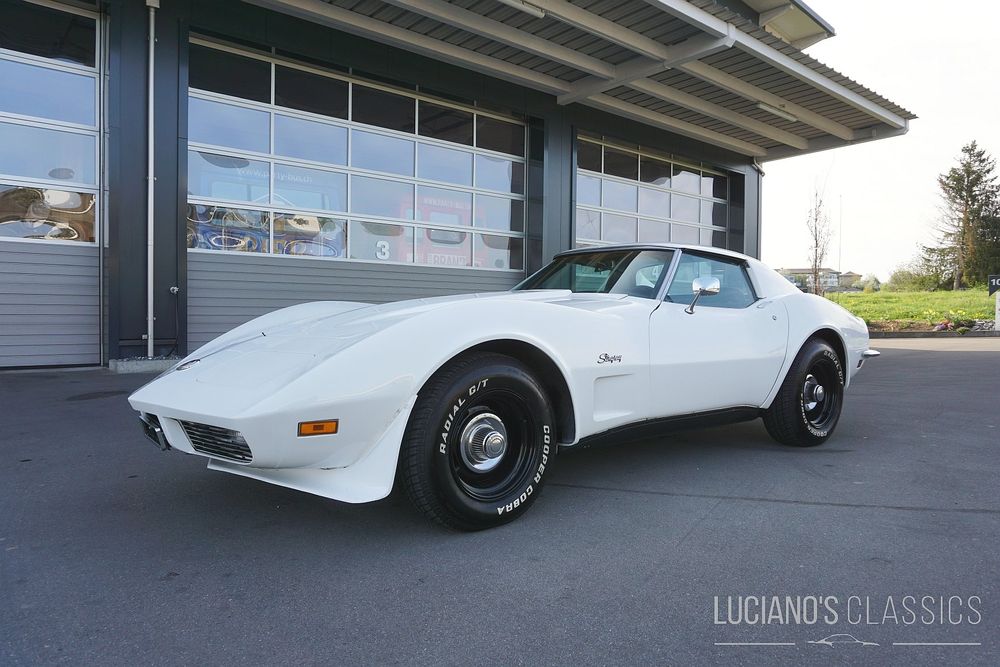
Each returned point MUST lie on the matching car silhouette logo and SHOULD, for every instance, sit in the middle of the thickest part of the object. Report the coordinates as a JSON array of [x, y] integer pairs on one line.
[[834, 640]]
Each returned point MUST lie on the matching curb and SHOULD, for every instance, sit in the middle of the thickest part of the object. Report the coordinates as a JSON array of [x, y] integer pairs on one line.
[[933, 334], [140, 365]]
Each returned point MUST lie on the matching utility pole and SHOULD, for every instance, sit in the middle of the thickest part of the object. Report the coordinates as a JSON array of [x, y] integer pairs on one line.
[[840, 237]]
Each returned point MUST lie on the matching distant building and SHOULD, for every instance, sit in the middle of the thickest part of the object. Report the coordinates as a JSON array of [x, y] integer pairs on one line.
[[803, 278], [848, 278]]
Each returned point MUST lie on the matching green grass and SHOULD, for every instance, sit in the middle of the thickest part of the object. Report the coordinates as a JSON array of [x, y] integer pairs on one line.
[[917, 306]]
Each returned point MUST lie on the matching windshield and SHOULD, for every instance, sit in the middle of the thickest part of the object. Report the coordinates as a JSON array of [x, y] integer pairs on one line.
[[633, 272]]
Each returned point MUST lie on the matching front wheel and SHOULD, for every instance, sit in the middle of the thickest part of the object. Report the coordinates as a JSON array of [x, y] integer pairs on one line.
[[480, 442], [807, 407]]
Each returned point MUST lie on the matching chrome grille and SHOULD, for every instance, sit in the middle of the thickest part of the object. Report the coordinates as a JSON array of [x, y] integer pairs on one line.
[[217, 442]]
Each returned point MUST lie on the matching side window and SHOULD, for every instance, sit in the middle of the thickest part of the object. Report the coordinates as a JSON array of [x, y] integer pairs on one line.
[[735, 291]]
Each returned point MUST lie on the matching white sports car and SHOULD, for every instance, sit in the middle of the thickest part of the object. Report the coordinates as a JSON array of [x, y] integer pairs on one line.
[[467, 399]]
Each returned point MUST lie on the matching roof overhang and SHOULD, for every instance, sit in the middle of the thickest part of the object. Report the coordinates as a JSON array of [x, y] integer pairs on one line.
[[695, 67], [791, 20]]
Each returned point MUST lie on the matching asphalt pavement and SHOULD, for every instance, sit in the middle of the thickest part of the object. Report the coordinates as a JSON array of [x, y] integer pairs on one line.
[[112, 552]]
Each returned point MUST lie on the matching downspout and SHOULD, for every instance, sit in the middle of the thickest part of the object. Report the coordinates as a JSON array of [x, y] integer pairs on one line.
[[153, 5]]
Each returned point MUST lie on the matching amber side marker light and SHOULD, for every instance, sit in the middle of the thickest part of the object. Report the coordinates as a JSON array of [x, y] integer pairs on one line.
[[327, 427]]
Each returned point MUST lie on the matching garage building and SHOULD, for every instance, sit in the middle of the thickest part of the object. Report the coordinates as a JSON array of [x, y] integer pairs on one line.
[[282, 151]]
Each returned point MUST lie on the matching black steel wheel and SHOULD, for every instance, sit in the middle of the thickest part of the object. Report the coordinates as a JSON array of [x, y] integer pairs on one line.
[[808, 405], [479, 444]]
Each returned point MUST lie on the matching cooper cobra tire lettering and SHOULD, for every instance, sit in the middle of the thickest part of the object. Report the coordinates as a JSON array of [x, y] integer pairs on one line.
[[537, 479]]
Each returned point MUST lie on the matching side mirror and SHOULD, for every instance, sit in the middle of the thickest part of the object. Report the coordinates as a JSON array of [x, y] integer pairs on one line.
[[703, 286]]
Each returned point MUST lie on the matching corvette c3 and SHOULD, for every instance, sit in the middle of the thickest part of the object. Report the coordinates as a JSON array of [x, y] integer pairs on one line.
[[466, 401]]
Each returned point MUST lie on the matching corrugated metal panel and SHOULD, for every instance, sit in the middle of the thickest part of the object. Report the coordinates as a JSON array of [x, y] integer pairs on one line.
[[228, 289], [49, 304], [653, 22]]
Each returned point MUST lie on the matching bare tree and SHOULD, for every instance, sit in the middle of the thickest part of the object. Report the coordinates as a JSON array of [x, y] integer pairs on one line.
[[818, 224]]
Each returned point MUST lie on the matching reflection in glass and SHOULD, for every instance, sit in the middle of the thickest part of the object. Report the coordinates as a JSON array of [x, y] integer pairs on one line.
[[43, 92], [222, 228], [227, 177], [444, 164], [45, 213], [713, 213], [654, 171], [653, 231], [50, 33], [588, 156], [498, 174], [654, 202], [441, 247], [297, 89], [684, 208], [220, 124], [713, 237], [229, 73], [378, 152], [445, 123], [383, 109], [500, 136], [445, 207], [619, 228], [37, 152], [588, 224], [714, 186], [686, 179], [621, 163], [498, 252], [375, 240], [309, 140], [588, 189], [619, 196], [684, 234], [309, 188], [375, 196], [499, 213], [309, 235]]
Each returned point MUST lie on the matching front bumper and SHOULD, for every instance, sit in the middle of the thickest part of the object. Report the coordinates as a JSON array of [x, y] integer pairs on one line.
[[866, 355], [152, 430]]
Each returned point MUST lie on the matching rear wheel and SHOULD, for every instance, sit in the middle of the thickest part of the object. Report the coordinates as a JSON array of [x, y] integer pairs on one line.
[[807, 407], [479, 444]]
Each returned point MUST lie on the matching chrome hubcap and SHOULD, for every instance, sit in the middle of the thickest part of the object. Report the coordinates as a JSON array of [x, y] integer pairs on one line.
[[483, 442], [813, 392]]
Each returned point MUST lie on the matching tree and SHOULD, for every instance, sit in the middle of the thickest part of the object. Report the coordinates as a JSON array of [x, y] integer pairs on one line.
[[968, 193], [869, 283], [985, 257], [818, 224]]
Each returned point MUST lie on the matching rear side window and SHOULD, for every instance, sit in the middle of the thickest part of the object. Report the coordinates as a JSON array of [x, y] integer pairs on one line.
[[735, 289]]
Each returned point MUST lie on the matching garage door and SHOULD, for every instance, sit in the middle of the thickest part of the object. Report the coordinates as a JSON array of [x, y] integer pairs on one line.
[[49, 185], [309, 184]]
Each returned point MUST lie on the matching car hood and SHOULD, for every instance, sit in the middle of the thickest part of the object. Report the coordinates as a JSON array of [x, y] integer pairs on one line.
[[272, 350], [338, 324], [248, 364]]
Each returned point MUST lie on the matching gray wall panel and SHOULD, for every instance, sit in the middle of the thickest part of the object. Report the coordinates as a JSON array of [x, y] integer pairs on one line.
[[228, 289], [49, 304]]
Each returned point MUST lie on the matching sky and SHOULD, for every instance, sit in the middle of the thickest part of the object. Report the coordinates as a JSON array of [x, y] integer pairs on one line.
[[935, 59]]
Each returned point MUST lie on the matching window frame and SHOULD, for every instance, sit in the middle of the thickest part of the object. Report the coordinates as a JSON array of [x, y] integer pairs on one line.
[[349, 125], [601, 209], [97, 73]]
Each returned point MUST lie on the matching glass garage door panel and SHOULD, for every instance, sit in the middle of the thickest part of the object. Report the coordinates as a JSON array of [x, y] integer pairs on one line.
[[407, 179], [613, 184], [50, 183], [46, 154]]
